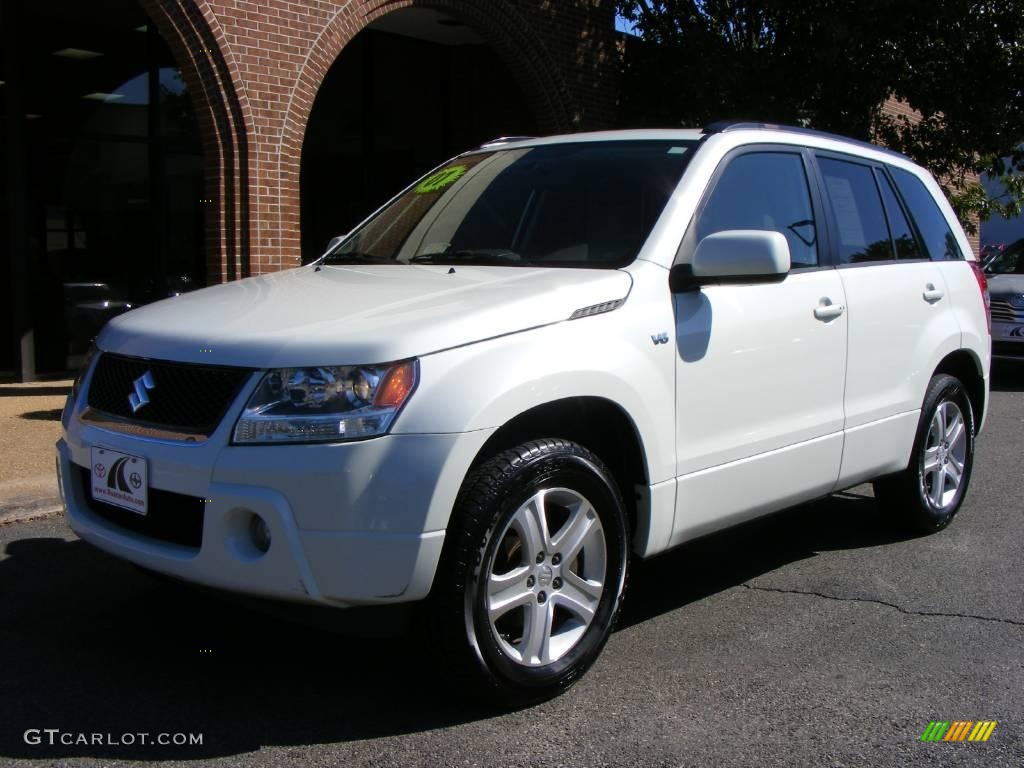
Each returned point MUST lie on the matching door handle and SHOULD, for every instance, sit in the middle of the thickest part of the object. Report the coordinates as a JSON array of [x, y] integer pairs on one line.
[[826, 310], [932, 294]]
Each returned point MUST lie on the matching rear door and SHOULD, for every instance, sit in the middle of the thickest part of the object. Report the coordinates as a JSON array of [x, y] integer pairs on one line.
[[759, 367], [944, 249], [899, 314]]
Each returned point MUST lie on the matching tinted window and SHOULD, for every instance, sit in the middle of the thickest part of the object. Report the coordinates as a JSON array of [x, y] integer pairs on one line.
[[938, 237], [767, 191], [591, 204], [1009, 262], [862, 231], [902, 235]]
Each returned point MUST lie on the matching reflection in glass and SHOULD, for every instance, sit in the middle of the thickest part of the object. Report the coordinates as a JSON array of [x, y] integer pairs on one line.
[[857, 209], [767, 191], [114, 170], [571, 205]]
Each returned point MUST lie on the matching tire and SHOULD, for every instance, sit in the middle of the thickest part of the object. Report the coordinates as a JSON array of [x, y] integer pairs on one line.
[[521, 619], [925, 496]]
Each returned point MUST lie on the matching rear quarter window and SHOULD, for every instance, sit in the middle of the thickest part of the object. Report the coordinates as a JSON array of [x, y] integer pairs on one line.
[[938, 238]]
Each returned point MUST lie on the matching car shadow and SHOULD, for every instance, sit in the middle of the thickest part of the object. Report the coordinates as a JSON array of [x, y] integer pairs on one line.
[[91, 645], [51, 414], [720, 561]]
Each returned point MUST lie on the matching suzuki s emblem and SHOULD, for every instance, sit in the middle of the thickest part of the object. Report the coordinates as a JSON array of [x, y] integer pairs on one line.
[[143, 385], [659, 338]]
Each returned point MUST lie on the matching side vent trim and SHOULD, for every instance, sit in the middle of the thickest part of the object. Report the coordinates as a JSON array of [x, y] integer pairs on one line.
[[597, 309]]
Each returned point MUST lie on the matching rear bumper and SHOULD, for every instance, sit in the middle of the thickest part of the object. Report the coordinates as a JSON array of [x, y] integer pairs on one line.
[[351, 524]]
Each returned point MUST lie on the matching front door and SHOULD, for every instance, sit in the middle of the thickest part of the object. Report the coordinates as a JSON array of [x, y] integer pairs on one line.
[[760, 368]]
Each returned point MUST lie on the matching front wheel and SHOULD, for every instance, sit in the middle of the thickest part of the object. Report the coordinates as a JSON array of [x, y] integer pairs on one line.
[[928, 493], [534, 571]]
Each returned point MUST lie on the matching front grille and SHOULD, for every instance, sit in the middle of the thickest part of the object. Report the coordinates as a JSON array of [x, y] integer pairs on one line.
[[171, 517], [184, 397], [1004, 312]]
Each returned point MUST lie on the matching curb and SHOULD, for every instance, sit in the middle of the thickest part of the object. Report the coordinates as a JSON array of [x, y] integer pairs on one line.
[[18, 511]]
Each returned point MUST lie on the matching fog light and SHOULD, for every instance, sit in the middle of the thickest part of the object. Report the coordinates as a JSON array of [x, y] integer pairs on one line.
[[260, 533]]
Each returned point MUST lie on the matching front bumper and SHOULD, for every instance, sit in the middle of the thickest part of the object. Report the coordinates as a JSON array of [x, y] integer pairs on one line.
[[351, 523], [1007, 341]]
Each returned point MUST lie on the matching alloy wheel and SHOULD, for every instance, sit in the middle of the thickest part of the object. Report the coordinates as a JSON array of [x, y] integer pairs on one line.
[[945, 455], [546, 577]]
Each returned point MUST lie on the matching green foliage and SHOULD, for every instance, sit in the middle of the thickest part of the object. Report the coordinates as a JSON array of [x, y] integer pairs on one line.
[[831, 64]]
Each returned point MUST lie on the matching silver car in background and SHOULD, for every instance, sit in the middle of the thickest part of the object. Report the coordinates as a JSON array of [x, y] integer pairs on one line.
[[1006, 287]]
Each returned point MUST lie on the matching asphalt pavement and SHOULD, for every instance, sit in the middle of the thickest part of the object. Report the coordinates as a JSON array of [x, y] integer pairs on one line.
[[815, 637]]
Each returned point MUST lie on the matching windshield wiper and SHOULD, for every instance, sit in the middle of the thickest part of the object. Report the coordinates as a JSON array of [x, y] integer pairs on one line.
[[356, 258], [481, 256]]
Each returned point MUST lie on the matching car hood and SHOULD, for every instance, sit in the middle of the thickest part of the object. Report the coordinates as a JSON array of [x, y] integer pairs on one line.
[[1001, 284], [340, 315]]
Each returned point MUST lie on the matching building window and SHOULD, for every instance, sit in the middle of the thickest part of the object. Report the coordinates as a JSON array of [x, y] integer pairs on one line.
[[107, 168]]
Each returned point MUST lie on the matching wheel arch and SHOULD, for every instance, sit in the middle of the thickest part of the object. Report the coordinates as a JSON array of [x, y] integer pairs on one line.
[[598, 424], [965, 366]]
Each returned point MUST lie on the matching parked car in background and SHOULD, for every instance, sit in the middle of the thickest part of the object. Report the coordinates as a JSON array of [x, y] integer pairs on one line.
[[543, 359], [989, 252], [87, 308], [1006, 287], [157, 288]]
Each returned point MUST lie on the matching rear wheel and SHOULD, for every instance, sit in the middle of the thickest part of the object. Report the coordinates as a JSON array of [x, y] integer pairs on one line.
[[928, 493], [534, 570]]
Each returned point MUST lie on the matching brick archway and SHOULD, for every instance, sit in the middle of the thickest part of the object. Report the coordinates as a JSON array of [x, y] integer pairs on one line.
[[254, 67], [212, 76], [497, 22]]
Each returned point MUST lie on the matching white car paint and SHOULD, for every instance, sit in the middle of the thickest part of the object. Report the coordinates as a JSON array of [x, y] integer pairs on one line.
[[759, 394], [739, 413], [380, 312]]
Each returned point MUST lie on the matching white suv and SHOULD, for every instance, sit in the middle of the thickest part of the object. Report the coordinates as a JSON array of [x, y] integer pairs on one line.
[[542, 359]]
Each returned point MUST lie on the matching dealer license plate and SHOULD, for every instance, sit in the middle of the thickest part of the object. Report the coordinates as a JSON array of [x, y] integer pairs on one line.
[[120, 479]]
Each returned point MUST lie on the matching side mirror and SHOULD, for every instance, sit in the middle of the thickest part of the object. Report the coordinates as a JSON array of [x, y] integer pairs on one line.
[[333, 243], [734, 256]]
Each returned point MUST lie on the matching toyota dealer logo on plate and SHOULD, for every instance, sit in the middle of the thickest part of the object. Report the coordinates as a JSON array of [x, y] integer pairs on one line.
[[120, 479]]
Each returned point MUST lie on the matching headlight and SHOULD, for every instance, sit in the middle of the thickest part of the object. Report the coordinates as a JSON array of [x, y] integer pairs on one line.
[[326, 404]]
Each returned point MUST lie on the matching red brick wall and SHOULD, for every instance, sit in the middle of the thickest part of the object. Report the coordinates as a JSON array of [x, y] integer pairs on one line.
[[895, 108], [254, 69]]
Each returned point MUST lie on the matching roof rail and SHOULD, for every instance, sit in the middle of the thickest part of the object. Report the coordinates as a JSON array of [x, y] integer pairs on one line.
[[506, 140], [724, 126]]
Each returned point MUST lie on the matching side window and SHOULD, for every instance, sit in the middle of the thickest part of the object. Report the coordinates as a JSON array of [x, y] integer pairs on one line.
[[902, 235], [863, 234], [938, 237], [764, 190]]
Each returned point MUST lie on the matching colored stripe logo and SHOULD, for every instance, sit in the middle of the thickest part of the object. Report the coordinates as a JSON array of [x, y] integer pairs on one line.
[[958, 730]]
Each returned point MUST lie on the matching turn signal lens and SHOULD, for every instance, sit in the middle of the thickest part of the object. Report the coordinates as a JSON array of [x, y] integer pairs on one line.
[[398, 384]]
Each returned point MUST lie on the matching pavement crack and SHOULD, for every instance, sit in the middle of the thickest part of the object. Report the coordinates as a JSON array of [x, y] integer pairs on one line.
[[894, 606]]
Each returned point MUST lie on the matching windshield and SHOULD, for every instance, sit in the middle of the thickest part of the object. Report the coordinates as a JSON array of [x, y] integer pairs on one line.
[[1009, 262], [563, 205]]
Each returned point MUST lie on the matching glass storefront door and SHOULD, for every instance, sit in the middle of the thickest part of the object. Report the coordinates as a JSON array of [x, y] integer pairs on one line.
[[102, 155]]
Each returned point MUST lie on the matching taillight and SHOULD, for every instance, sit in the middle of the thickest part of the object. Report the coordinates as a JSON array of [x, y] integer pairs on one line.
[[979, 273]]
